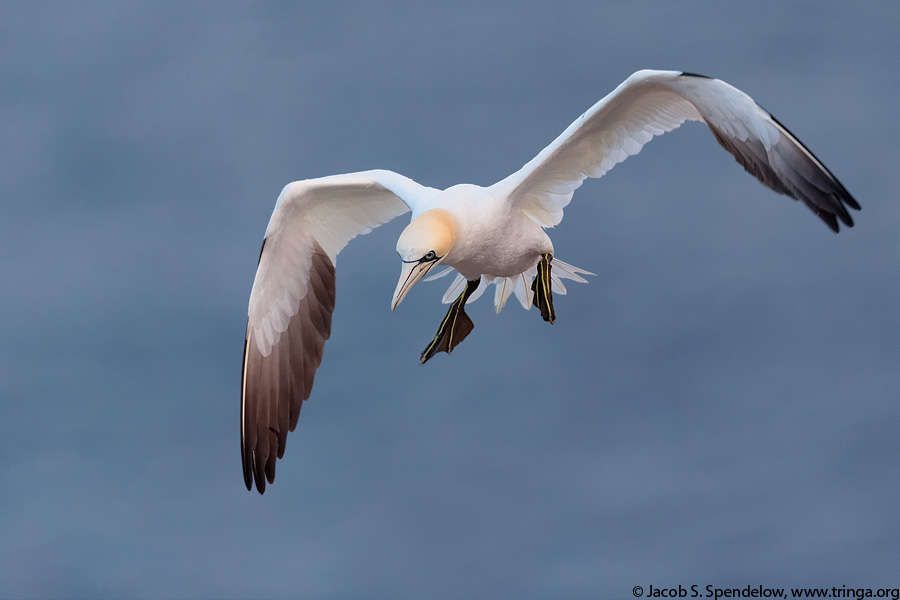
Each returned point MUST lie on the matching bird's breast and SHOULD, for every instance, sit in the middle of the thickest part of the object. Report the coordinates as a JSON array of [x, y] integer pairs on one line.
[[499, 247]]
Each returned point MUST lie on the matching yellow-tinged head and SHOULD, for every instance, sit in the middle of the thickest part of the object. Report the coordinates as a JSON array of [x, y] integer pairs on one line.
[[422, 245]]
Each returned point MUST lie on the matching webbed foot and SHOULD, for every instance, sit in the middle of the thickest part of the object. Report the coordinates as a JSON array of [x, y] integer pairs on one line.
[[541, 286], [455, 326]]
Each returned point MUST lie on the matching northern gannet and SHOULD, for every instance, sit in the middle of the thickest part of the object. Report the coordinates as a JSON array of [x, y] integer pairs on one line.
[[488, 235]]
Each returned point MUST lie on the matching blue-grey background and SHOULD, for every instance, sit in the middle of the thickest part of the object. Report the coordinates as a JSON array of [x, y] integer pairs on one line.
[[719, 406]]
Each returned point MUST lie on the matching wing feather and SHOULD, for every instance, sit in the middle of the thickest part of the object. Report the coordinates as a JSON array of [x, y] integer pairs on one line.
[[650, 103], [292, 301]]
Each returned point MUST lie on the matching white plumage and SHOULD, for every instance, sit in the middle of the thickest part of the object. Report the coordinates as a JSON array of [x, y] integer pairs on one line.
[[489, 236]]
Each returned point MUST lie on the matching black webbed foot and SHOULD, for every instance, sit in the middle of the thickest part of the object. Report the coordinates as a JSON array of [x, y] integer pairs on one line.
[[541, 286], [455, 326]]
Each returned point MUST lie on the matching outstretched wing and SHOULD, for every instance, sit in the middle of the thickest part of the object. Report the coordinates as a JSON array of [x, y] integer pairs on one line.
[[650, 103], [289, 317]]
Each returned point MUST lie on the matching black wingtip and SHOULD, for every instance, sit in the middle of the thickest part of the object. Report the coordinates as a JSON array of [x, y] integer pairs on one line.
[[846, 219], [689, 74], [841, 195], [258, 473], [245, 465], [248, 479], [248, 474]]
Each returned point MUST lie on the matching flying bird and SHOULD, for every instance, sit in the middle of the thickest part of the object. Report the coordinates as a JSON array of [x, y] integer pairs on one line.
[[488, 235]]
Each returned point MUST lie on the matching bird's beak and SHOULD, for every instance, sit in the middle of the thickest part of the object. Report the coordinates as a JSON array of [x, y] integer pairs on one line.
[[410, 273]]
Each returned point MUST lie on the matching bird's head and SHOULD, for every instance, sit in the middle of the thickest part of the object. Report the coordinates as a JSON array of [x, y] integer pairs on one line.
[[422, 245]]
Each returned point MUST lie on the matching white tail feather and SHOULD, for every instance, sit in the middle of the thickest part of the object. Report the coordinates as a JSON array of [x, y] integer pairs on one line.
[[556, 284], [567, 271], [446, 271], [520, 285], [523, 287], [504, 289], [485, 282], [455, 289]]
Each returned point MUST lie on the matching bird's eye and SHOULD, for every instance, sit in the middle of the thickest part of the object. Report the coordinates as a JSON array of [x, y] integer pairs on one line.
[[430, 256]]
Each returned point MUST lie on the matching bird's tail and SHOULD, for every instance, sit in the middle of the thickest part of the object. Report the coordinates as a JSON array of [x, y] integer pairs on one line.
[[520, 285]]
